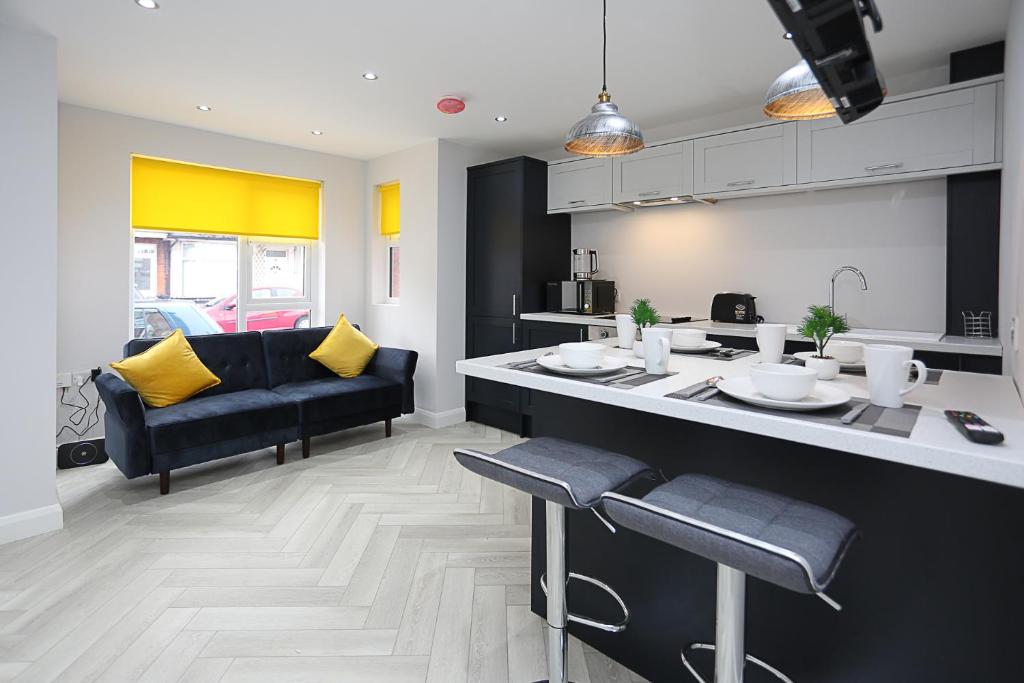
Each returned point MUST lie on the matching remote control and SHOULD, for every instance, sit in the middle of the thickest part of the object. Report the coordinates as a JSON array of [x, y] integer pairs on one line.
[[974, 428]]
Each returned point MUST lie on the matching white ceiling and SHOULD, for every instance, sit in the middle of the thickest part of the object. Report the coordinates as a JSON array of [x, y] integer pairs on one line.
[[275, 69]]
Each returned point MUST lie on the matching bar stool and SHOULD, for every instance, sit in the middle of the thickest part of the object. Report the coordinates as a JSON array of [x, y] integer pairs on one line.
[[792, 544], [565, 475]]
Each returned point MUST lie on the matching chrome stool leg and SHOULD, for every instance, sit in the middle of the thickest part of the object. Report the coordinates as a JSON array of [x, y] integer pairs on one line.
[[558, 637], [730, 618]]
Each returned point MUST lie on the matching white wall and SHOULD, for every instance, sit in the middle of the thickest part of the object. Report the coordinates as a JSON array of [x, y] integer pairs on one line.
[[1011, 280], [94, 247], [783, 249], [430, 315], [28, 195]]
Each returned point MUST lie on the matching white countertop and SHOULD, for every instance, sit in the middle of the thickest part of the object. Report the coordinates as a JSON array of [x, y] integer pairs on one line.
[[922, 341], [934, 444]]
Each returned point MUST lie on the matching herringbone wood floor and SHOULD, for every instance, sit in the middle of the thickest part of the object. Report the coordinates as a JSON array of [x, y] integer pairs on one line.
[[373, 561]]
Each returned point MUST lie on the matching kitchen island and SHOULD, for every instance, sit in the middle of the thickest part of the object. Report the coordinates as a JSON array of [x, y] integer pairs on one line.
[[932, 592]]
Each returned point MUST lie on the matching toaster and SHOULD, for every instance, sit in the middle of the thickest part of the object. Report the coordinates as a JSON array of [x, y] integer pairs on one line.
[[732, 307]]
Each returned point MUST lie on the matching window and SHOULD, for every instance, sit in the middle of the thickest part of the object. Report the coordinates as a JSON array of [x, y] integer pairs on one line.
[[191, 282], [218, 250]]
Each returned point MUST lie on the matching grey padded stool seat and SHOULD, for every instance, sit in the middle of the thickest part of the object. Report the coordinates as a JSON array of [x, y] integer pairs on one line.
[[565, 475], [787, 542]]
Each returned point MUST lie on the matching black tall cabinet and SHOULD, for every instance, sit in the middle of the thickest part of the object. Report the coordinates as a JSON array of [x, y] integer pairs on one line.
[[512, 248]]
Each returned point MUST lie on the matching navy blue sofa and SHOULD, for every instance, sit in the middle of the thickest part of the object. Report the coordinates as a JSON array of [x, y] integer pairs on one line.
[[271, 392]]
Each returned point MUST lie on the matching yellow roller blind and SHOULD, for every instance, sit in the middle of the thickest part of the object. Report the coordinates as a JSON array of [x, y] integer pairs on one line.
[[171, 195], [390, 209]]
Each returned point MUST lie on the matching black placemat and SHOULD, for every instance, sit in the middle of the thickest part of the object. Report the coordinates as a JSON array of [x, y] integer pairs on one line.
[[934, 376], [717, 354], [628, 381], [892, 421]]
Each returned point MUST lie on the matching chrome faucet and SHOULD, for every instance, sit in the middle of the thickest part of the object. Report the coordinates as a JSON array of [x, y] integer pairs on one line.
[[832, 284]]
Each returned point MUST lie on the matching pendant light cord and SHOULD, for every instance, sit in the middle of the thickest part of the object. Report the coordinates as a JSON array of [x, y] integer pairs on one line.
[[604, 47]]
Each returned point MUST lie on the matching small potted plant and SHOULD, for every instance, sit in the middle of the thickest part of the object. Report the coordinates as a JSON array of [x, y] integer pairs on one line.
[[644, 315], [820, 324]]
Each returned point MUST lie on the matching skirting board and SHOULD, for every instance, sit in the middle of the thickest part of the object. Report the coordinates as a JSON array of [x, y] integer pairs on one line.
[[31, 522], [438, 420]]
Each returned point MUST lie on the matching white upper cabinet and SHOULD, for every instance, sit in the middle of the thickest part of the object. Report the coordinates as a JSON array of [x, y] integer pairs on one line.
[[745, 160], [654, 173], [579, 183], [928, 133]]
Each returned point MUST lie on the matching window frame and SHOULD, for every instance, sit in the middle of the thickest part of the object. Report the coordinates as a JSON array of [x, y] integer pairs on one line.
[[389, 244], [245, 303]]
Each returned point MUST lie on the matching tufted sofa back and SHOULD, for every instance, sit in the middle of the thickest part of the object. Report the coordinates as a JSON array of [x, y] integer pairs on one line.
[[287, 355], [236, 358]]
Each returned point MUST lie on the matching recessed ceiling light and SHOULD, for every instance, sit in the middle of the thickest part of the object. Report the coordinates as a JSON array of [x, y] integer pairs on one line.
[[501, 119], [370, 76], [317, 132], [204, 107], [787, 35], [673, 199], [147, 4], [639, 203]]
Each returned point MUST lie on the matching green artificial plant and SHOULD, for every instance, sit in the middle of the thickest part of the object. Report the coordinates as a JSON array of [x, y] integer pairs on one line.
[[820, 324], [644, 315]]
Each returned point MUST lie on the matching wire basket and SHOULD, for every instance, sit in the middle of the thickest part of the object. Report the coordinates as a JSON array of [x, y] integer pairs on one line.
[[979, 325]]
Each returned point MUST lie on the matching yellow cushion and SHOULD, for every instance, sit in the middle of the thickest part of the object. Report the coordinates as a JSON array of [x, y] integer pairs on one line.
[[346, 350], [167, 373]]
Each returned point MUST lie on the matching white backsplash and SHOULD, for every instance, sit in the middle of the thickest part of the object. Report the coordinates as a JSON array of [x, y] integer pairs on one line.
[[783, 249]]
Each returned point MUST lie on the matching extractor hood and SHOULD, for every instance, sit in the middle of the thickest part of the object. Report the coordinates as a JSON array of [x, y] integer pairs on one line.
[[671, 201]]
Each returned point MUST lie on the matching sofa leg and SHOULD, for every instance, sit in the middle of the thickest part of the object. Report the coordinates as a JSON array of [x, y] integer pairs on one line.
[[165, 483], [280, 454], [305, 447], [387, 427]]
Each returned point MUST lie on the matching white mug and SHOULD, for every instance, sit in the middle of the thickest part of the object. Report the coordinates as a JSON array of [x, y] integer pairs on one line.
[[626, 330], [657, 349], [771, 342], [888, 368]]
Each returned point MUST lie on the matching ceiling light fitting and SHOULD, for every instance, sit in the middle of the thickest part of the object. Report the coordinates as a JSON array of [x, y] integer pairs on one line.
[[147, 4], [317, 132], [501, 119], [604, 131], [796, 95], [204, 107], [370, 76]]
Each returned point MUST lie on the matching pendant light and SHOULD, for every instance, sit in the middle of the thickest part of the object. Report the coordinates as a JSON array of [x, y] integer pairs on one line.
[[604, 132], [796, 95]]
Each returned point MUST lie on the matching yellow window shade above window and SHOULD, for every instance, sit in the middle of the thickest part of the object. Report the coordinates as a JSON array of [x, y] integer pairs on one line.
[[390, 209], [182, 197]]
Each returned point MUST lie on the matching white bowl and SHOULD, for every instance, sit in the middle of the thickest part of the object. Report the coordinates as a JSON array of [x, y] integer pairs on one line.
[[689, 339], [783, 382], [848, 352], [581, 354]]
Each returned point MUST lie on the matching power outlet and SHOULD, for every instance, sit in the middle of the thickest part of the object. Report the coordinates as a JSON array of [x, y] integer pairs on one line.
[[63, 380], [80, 378]]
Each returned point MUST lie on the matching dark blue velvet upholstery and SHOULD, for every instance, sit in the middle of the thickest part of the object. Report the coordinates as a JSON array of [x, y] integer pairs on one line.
[[271, 392], [124, 425], [287, 358], [205, 420], [236, 358], [326, 399]]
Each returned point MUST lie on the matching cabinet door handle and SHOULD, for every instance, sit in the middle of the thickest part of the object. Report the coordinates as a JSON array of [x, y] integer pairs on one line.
[[652, 193], [884, 167], [577, 201], [515, 304], [581, 334], [740, 183], [513, 334]]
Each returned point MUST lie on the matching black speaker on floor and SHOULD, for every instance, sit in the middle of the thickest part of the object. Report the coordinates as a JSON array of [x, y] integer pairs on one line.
[[81, 453]]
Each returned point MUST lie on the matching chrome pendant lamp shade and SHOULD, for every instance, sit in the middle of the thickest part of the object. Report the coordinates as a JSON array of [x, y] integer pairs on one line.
[[796, 95], [604, 131]]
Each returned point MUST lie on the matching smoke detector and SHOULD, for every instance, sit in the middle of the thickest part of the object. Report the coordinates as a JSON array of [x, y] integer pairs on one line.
[[449, 104]]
